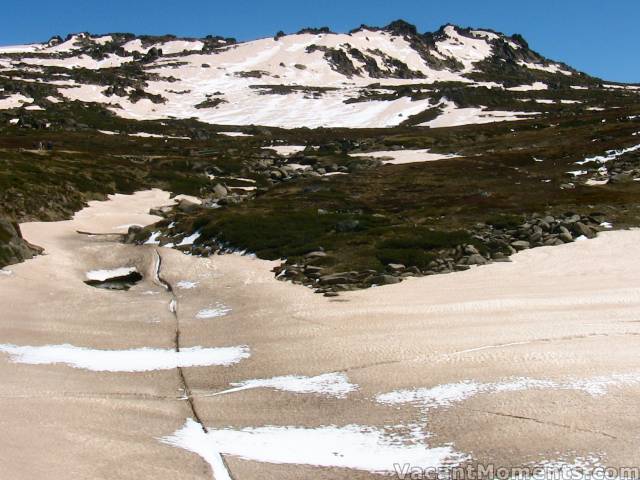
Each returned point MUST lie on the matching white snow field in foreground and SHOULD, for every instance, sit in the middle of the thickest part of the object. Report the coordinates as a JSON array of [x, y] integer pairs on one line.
[[352, 446], [136, 360], [330, 384]]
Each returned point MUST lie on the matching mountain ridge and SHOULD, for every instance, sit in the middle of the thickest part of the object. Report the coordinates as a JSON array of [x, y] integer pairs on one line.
[[370, 77]]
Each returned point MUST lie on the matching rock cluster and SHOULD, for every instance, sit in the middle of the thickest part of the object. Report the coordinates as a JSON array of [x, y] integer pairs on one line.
[[303, 165], [489, 244]]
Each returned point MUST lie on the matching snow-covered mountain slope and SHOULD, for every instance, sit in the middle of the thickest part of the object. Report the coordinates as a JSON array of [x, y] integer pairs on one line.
[[370, 77]]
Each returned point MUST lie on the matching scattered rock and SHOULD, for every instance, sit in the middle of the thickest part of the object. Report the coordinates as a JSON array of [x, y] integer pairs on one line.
[[581, 229], [385, 280], [476, 259], [317, 254], [220, 191], [335, 278], [520, 245], [396, 267]]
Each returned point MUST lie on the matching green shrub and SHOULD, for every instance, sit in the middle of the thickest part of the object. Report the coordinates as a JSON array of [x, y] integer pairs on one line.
[[422, 238], [408, 257], [504, 222]]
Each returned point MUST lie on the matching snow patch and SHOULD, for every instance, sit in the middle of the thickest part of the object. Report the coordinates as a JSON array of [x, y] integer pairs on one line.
[[552, 68], [219, 310], [235, 134], [153, 239], [449, 394], [609, 155], [135, 360], [155, 135], [104, 275], [352, 446], [16, 100], [454, 116], [401, 157], [186, 241], [330, 384], [286, 150], [186, 285], [527, 88]]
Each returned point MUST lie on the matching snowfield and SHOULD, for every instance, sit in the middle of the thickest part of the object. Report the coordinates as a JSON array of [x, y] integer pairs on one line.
[[300, 80]]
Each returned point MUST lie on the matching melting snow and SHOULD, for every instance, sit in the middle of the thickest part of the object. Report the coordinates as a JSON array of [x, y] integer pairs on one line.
[[552, 68], [286, 149], [440, 396], [235, 134], [219, 310], [454, 116], [467, 50], [186, 285], [527, 88], [155, 135], [189, 240], [331, 384], [14, 101], [136, 360], [401, 157], [447, 395], [153, 239], [352, 446], [104, 275], [610, 155]]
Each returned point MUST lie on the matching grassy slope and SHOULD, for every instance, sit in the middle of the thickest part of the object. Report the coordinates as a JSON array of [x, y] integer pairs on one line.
[[363, 220]]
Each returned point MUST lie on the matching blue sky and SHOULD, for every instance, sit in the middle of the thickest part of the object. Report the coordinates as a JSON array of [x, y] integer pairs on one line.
[[596, 36]]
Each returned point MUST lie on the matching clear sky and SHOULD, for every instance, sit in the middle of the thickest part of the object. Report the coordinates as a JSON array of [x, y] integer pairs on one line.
[[600, 37]]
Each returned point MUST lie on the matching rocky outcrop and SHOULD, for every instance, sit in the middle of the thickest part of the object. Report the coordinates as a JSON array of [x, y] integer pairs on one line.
[[14, 248], [491, 243]]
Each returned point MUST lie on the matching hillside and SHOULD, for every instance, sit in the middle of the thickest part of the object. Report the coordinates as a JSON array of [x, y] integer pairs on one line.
[[370, 77], [470, 146]]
